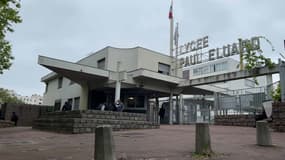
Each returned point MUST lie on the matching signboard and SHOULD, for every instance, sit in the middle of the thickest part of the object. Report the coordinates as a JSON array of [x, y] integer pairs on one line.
[[212, 54]]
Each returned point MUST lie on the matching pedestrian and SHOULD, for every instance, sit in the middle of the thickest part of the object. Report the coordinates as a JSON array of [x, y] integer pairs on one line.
[[161, 112], [119, 106], [14, 118], [65, 107]]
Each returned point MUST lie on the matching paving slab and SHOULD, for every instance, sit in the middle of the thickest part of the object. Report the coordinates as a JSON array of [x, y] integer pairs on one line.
[[175, 142]]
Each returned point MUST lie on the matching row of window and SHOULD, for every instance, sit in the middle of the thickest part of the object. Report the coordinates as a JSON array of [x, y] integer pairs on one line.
[[210, 68]]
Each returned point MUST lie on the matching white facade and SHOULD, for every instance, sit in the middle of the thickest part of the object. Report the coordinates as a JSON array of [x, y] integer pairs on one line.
[[222, 66], [136, 76], [134, 69], [35, 99]]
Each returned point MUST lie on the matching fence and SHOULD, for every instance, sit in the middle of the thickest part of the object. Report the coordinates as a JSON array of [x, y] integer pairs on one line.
[[244, 101]]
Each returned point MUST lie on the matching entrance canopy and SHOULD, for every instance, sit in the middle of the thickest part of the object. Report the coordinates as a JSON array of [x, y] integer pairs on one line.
[[76, 72], [142, 78]]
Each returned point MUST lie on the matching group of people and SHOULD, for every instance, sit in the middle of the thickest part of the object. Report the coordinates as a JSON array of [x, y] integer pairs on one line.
[[118, 106]]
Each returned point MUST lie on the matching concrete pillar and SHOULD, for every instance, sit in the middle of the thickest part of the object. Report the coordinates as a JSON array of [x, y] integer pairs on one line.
[[176, 109], [118, 90], [84, 97], [157, 110], [118, 83], [282, 79], [203, 108], [181, 105], [104, 143], [171, 108], [148, 109], [203, 139], [263, 136], [216, 103]]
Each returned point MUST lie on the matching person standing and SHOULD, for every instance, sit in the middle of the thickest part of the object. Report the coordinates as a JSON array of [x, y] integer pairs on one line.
[[161, 112], [14, 118]]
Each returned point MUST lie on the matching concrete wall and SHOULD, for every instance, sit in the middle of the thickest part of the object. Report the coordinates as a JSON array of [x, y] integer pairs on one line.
[[65, 92], [235, 120], [26, 113], [127, 57], [86, 121], [278, 116], [148, 59], [92, 59]]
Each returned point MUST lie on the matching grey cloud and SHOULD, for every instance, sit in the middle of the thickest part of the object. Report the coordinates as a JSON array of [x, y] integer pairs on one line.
[[71, 30]]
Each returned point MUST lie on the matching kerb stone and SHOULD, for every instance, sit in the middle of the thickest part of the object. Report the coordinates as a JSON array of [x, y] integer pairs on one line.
[[263, 136], [203, 139], [104, 143]]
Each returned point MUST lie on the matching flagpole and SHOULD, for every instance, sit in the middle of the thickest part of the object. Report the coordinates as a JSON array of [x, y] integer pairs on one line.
[[171, 38], [170, 17], [176, 37]]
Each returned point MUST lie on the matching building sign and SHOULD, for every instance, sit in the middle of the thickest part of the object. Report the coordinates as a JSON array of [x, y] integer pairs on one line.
[[212, 54]]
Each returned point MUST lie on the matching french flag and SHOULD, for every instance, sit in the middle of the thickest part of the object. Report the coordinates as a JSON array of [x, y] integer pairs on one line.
[[170, 15]]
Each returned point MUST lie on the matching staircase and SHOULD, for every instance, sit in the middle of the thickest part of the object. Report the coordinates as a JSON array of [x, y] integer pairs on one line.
[[86, 121]]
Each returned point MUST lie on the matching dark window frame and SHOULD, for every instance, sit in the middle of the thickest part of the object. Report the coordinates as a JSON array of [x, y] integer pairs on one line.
[[59, 82], [100, 62], [165, 65]]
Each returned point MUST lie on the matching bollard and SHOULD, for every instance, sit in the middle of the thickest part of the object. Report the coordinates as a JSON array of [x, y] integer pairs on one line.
[[263, 136], [104, 143], [203, 139]]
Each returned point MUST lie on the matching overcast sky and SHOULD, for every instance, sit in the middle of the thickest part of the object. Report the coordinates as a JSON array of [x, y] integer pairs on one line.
[[70, 30]]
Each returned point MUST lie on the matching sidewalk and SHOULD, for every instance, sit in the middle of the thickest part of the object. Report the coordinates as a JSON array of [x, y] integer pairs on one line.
[[168, 142]]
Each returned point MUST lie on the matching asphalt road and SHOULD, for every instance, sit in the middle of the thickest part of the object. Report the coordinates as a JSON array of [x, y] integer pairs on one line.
[[175, 142]]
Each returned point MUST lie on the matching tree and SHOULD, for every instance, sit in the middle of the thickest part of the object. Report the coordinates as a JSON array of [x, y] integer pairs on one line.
[[9, 14], [255, 59], [5, 97], [276, 93]]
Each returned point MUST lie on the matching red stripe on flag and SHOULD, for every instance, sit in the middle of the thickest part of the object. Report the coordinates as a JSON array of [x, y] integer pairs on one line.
[[170, 15]]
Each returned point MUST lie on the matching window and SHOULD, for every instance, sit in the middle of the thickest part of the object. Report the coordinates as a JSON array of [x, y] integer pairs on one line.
[[131, 102], [76, 103], [163, 68], [210, 69], [220, 66], [186, 74], [135, 102], [101, 63], [59, 82], [57, 105]]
